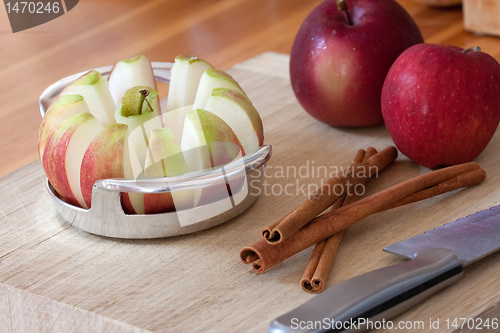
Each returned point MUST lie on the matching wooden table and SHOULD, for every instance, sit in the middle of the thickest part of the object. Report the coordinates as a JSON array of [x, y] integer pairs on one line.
[[56, 278]]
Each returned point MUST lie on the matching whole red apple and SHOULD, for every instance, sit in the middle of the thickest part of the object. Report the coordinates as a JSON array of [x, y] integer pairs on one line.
[[441, 104], [341, 56]]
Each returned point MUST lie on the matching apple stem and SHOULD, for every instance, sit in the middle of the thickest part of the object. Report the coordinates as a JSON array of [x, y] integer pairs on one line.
[[472, 49], [342, 6], [144, 93]]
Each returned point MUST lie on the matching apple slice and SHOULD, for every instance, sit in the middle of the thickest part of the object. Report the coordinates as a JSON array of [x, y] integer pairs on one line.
[[128, 73], [165, 148], [210, 80], [94, 89], [165, 159], [62, 108], [103, 159], [174, 119], [238, 112], [135, 152], [184, 78], [63, 155], [208, 141]]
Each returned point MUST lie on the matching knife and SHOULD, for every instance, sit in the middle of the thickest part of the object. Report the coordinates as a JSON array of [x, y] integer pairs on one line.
[[437, 256]]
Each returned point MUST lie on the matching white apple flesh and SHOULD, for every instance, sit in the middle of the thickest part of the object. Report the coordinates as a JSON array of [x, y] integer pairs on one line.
[[210, 80], [212, 138], [136, 147], [94, 89], [207, 142], [128, 73], [165, 159], [63, 155], [239, 113], [174, 119], [63, 108], [184, 78]]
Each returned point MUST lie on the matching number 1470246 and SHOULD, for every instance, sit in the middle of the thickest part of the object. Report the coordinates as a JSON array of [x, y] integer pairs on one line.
[[473, 323], [32, 7]]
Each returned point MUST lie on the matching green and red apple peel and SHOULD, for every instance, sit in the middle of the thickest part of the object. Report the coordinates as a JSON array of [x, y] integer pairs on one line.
[[100, 128]]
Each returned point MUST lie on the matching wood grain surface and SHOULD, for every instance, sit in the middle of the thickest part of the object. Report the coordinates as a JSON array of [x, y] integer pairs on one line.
[[481, 16], [55, 278], [97, 33]]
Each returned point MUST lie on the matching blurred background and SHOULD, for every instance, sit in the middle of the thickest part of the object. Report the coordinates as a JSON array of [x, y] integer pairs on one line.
[[224, 32]]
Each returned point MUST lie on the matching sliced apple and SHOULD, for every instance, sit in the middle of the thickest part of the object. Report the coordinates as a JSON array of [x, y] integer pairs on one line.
[[164, 147], [62, 108], [128, 73], [208, 141], [103, 159], [63, 155], [210, 80], [238, 112], [174, 119], [94, 89], [184, 78], [111, 128], [165, 159], [135, 203], [136, 147]]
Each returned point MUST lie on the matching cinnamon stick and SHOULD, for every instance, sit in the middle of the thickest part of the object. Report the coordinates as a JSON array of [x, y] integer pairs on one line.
[[466, 179], [319, 202], [418, 188], [320, 263]]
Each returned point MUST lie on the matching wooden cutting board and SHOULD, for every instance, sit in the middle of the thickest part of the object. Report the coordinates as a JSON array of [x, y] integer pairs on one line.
[[55, 278]]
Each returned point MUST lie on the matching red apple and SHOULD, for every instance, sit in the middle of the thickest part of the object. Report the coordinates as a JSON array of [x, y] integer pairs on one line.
[[208, 141], [340, 58], [103, 159], [63, 155], [441, 104], [62, 108], [164, 159]]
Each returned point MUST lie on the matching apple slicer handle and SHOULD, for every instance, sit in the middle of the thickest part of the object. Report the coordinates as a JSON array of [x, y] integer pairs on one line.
[[376, 295]]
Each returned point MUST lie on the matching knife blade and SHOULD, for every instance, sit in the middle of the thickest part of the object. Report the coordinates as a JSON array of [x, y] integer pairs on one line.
[[438, 257]]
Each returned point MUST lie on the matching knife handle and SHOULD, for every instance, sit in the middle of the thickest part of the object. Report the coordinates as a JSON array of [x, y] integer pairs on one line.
[[376, 295]]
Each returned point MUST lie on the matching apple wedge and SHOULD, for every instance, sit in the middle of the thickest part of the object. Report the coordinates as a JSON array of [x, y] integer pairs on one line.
[[136, 148], [128, 73], [165, 148], [174, 119], [238, 112], [94, 89], [184, 78], [62, 108], [165, 159], [208, 141], [63, 155], [211, 79], [103, 159]]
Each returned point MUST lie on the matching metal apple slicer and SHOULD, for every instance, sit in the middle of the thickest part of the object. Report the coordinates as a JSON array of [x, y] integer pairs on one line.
[[221, 193]]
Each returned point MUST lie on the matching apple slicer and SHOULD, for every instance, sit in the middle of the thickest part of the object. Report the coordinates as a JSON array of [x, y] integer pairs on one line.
[[240, 180]]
